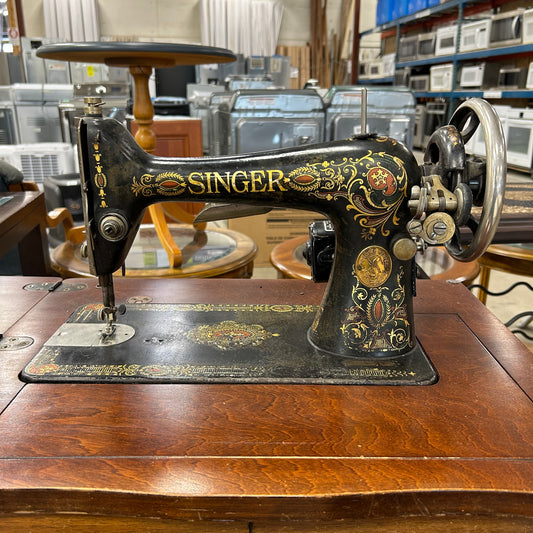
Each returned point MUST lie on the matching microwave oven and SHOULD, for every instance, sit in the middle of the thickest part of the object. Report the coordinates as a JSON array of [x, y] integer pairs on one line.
[[419, 84], [441, 77], [408, 48], [388, 61], [420, 117], [401, 77], [527, 26], [446, 40], [475, 35], [426, 45], [519, 141], [512, 78], [506, 28], [435, 117], [484, 75], [529, 79], [375, 68]]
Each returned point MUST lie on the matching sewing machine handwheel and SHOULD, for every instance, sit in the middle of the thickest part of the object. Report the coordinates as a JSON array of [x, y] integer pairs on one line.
[[493, 186]]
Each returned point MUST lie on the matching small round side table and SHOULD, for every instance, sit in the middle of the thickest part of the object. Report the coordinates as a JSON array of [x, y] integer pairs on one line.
[[287, 258]]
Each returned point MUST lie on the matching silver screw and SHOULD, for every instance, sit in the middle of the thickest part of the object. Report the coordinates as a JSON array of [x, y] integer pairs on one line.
[[440, 228]]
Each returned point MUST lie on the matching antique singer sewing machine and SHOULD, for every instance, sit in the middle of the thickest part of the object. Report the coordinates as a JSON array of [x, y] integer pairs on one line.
[[384, 208]]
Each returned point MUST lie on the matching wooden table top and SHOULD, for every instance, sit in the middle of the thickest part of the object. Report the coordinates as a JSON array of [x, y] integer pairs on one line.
[[222, 457], [23, 224], [16, 203], [211, 253], [126, 54]]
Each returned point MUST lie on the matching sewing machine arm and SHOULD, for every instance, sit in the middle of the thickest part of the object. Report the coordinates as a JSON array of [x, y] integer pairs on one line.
[[371, 188]]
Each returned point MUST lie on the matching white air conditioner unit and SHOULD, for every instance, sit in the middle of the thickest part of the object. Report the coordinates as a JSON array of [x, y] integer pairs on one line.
[[39, 160]]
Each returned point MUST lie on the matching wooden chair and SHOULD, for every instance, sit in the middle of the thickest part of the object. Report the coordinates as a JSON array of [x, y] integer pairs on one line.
[[55, 217]]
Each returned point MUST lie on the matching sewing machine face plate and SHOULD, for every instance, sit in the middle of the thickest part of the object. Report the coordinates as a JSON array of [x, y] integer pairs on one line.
[[211, 343]]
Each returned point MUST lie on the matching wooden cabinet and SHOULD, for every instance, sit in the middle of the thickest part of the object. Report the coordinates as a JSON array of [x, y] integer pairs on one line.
[[176, 137]]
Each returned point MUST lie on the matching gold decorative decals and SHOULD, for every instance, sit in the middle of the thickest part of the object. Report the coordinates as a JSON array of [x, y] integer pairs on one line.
[[382, 179], [166, 184], [305, 179], [374, 187], [373, 266], [454, 135], [100, 179], [202, 183], [377, 320], [229, 335]]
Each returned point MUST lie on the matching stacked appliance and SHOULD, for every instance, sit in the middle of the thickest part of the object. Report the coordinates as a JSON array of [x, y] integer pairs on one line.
[[517, 124], [8, 122], [37, 161], [199, 96], [390, 112], [116, 102], [257, 120], [36, 107]]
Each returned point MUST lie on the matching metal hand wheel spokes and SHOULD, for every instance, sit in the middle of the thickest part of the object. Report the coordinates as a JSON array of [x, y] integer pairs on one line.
[[494, 183]]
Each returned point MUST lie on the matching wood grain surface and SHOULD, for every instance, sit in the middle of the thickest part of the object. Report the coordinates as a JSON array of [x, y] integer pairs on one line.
[[453, 456]]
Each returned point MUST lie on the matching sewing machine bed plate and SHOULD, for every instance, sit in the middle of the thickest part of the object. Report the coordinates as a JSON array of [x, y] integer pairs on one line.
[[453, 456], [210, 343]]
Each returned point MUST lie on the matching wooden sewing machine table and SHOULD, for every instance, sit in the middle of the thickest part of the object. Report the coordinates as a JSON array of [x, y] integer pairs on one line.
[[23, 224], [453, 456]]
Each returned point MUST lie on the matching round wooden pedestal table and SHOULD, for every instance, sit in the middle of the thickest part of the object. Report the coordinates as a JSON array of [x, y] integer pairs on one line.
[[287, 257], [214, 253], [141, 58], [512, 258]]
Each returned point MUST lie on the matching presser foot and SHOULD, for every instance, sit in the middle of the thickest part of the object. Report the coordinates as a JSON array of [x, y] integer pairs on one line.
[[108, 314]]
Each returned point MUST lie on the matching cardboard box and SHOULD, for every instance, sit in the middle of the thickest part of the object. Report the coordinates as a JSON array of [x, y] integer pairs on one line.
[[273, 228]]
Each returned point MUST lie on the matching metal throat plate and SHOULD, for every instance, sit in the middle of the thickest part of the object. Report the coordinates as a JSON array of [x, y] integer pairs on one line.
[[210, 343]]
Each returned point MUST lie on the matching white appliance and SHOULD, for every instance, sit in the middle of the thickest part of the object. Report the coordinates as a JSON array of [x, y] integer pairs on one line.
[[40, 160], [478, 76], [375, 69], [519, 140], [476, 145], [475, 35], [441, 77], [446, 40], [529, 79], [389, 61], [527, 26]]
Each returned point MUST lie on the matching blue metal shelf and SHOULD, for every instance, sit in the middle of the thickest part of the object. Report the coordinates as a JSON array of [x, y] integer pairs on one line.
[[460, 93], [487, 93], [375, 81], [424, 13], [466, 56]]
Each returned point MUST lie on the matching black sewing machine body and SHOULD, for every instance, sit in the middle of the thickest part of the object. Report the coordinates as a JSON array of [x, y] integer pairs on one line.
[[364, 185], [361, 185]]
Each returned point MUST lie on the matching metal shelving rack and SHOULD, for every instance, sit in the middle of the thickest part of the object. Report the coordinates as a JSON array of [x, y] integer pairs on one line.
[[456, 59]]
